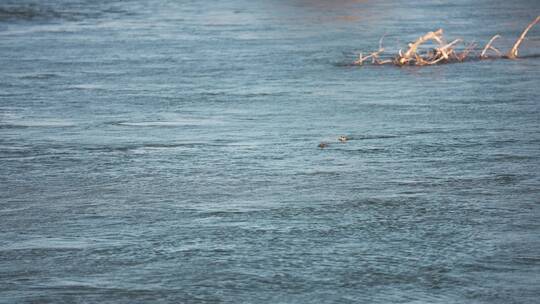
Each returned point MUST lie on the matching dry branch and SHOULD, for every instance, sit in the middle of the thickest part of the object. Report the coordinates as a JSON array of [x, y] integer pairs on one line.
[[443, 52], [413, 47], [461, 56], [374, 56], [488, 46], [513, 53]]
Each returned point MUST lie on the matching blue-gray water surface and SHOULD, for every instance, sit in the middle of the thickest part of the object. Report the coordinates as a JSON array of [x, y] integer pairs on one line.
[[166, 151]]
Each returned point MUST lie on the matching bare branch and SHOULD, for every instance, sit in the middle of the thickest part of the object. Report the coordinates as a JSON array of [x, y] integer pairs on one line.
[[513, 53], [406, 58], [443, 52], [488, 46], [466, 52]]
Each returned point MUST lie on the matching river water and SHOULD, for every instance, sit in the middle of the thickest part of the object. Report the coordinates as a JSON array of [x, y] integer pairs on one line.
[[166, 151]]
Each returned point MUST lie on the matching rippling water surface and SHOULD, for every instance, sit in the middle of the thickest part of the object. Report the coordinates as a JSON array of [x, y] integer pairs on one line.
[[166, 151]]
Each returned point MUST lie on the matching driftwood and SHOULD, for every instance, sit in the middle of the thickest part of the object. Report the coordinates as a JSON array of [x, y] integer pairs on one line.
[[411, 54], [490, 47], [513, 53], [443, 52]]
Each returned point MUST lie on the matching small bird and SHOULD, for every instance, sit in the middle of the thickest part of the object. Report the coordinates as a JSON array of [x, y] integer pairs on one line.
[[323, 145], [343, 138]]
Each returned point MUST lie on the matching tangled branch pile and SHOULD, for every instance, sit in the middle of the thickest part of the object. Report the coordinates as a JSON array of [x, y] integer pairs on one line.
[[443, 52]]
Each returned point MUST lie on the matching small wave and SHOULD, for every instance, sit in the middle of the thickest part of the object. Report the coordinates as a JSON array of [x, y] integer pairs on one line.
[[30, 12], [531, 56], [47, 12], [373, 136], [427, 131], [36, 124], [483, 181], [528, 259], [161, 147], [319, 173], [93, 285], [53, 244], [88, 86], [509, 157], [362, 150], [506, 179], [168, 123], [11, 126], [143, 148], [34, 12], [156, 123], [13, 210], [40, 76]]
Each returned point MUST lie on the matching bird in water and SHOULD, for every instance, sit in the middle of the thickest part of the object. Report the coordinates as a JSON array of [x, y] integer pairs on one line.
[[343, 138], [323, 145]]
